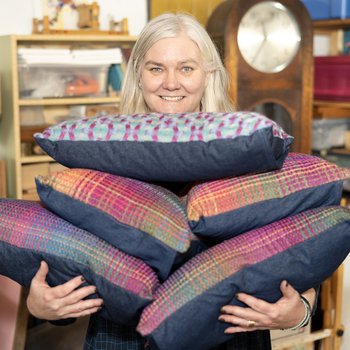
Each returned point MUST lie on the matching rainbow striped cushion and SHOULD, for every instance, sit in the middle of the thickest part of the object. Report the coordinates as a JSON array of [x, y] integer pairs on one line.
[[225, 208], [295, 248], [30, 233], [143, 220], [169, 147]]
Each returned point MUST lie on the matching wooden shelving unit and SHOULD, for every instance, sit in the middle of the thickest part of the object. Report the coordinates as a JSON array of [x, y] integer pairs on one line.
[[13, 103]]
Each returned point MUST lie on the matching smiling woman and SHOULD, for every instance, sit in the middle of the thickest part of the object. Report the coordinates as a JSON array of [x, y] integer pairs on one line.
[[174, 67]]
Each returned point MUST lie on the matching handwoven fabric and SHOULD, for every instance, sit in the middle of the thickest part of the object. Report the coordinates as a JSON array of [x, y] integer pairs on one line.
[[30, 233], [166, 128], [295, 248], [224, 208], [141, 219], [169, 147]]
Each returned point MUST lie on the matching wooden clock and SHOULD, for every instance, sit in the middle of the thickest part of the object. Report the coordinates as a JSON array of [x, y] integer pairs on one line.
[[267, 47]]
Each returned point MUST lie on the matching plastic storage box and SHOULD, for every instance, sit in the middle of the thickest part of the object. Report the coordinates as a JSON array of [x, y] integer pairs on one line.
[[332, 78], [329, 133], [61, 81]]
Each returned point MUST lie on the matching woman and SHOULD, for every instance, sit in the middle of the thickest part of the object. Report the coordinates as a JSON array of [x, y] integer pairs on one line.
[[174, 68]]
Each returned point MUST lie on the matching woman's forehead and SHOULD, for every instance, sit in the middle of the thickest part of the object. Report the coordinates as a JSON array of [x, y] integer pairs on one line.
[[180, 47]]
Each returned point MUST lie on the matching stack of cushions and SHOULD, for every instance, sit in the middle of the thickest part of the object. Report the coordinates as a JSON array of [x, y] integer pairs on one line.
[[30, 233], [269, 210]]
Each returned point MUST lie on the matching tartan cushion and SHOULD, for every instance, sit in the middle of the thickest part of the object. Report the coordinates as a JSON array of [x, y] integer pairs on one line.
[[30, 233], [295, 248], [169, 147], [141, 219], [225, 208]]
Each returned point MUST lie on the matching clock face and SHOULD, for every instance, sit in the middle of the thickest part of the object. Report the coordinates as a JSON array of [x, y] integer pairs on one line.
[[268, 37]]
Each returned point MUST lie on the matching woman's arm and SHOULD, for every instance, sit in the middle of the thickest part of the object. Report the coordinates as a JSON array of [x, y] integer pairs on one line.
[[287, 312], [61, 302]]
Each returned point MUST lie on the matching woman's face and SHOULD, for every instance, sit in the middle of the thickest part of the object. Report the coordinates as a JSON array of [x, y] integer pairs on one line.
[[172, 76]]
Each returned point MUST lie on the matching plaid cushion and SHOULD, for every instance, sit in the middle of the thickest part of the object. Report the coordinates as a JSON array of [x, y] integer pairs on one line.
[[295, 248], [143, 220], [30, 233], [225, 208], [169, 147]]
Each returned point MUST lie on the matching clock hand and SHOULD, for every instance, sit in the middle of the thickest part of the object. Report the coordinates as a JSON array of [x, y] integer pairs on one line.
[[262, 43]]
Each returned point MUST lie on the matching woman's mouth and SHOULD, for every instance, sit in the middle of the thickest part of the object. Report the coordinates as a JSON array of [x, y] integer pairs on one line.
[[172, 98]]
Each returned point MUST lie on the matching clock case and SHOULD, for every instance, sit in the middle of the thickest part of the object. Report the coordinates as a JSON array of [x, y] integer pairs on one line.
[[290, 88]]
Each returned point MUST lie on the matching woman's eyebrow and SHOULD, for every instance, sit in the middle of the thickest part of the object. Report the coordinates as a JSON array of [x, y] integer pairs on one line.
[[153, 63], [186, 61]]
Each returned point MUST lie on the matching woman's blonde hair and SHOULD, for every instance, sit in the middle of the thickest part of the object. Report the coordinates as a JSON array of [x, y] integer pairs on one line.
[[168, 25]]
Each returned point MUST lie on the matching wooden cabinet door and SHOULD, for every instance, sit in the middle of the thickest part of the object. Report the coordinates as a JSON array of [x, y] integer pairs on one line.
[[201, 9]]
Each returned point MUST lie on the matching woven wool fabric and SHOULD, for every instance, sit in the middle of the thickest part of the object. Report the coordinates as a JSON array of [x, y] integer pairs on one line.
[[35, 234], [169, 147], [143, 220], [146, 207], [182, 127], [217, 265], [244, 196]]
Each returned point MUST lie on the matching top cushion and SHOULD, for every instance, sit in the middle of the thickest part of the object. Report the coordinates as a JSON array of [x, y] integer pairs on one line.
[[221, 209], [169, 147]]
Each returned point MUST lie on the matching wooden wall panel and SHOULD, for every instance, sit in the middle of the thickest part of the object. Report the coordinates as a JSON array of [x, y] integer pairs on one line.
[[201, 9]]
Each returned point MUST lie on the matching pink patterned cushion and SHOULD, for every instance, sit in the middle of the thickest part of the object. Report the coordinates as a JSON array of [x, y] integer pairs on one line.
[[224, 208], [143, 220], [184, 314], [30, 233]]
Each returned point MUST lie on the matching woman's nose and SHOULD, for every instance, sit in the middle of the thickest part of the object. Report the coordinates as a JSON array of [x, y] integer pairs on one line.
[[171, 81]]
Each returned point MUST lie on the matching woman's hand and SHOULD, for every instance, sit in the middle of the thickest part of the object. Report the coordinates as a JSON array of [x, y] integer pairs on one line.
[[63, 301], [285, 313]]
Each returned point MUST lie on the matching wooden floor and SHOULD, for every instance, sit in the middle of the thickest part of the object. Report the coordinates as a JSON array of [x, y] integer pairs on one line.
[[50, 337]]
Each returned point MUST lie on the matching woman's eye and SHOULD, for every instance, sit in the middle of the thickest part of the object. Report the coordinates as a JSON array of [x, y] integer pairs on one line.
[[156, 69], [187, 69]]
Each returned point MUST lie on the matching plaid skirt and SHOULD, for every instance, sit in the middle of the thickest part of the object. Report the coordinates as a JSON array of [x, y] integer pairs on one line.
[[105, 335]]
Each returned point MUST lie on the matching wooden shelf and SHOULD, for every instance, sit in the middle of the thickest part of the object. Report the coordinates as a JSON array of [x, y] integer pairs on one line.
[[335, 104], [332, 24], [301, 339], [331, 109], [88, 38], [343, 151], [68, 101], [36, 159]]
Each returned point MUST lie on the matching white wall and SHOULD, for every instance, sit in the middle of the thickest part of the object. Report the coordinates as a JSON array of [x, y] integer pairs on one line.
[[16, 15], [16, 18]]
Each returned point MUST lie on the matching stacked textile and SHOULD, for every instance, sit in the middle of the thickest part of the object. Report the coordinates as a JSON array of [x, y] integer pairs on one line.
[[253, 216]]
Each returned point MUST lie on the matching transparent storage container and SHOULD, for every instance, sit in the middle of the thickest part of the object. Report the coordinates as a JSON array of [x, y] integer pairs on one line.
[[40, 81], [329, 133]]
